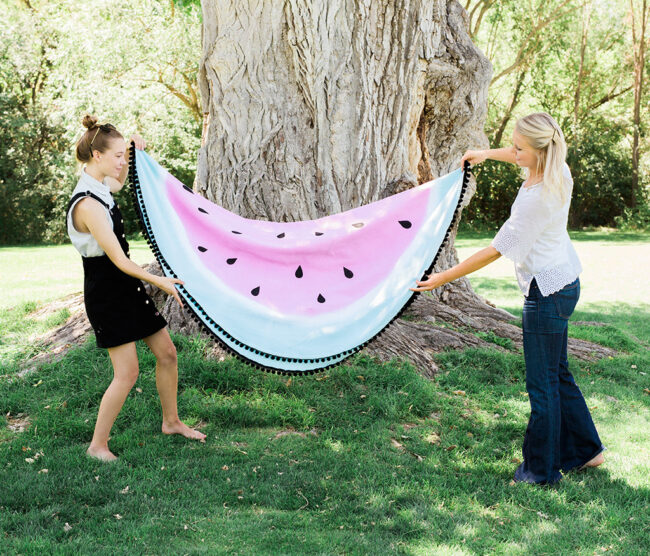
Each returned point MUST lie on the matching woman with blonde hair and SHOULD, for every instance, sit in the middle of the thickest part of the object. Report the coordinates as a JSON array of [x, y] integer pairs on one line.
[[118, 308], [561, 435]]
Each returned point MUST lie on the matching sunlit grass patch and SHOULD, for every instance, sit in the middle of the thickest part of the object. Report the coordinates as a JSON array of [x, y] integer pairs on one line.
[[363, 448]]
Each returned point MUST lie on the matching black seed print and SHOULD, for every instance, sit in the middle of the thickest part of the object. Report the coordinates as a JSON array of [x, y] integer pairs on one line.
[[405, 224], [280, 236], [235, 232], [348, 273], [358, 225], [321, 299], [299, 272], [202, 249], [255, 291], [188, 189], [231, 261], [203, 210], [318, 233]]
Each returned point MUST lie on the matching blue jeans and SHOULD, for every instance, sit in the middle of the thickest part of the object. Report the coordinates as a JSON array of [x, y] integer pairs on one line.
[[560, 434]]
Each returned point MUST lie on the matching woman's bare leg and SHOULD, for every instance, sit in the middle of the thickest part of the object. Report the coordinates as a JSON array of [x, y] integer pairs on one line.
[[167, 383], [125, 373]]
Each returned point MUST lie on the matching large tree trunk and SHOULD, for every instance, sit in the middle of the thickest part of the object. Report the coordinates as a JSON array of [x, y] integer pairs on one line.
[[315, 107], [319, 106]]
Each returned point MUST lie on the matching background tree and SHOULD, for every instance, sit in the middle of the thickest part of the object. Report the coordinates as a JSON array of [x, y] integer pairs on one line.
[[133, 64], [577, 67], [639, 12]]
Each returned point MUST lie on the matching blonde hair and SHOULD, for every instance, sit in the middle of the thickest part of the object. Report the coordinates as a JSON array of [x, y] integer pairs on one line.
[[544, 135]]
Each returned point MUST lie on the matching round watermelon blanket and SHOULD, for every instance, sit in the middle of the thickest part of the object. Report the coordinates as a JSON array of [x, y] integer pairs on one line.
[[294, 297]]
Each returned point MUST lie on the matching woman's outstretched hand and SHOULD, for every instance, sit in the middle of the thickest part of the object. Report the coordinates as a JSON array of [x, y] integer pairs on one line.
[[433, 281], [473, 157], [167, 285]]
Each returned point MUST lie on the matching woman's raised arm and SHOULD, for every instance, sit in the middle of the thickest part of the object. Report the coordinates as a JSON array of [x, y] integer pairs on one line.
[[506, 154]]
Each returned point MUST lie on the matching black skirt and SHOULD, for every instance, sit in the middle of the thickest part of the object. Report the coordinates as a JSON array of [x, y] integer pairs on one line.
[[118, 308], [117, 305]]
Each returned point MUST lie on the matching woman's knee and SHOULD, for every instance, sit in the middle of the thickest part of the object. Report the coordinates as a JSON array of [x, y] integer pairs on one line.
[[125, 364], [167, 355], [127, 376]]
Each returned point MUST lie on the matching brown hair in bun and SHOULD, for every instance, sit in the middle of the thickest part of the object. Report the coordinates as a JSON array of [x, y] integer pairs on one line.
[[89, 122], [97, 135]]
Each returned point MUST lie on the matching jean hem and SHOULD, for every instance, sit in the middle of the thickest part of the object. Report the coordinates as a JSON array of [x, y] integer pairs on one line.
[[524, 477]]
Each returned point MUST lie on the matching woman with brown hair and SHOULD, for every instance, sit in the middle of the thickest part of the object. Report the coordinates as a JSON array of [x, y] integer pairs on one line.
[[117, 305]]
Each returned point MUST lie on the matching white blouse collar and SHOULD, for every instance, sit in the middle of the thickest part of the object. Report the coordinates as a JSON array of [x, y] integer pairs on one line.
[[100, 189]]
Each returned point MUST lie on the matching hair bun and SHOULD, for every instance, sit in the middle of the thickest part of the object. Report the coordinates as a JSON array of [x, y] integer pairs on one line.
[[89, 122]]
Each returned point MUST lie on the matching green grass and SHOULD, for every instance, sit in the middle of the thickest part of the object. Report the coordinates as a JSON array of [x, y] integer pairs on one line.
[[346, 487], [385, 462], [19, 328]]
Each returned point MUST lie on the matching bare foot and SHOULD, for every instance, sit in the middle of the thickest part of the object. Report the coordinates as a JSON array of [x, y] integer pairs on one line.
[[181, 428], [595, 462], [102, 453]]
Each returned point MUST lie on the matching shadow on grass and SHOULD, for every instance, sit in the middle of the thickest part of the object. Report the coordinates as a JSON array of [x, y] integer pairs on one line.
[[370, 459]]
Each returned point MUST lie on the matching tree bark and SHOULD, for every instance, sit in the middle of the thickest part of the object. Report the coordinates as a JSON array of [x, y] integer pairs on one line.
[[314, 106], [476, 12], [586, 17], [639, 43]]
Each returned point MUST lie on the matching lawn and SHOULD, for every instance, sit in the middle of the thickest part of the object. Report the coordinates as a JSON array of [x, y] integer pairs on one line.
[[361, 459]]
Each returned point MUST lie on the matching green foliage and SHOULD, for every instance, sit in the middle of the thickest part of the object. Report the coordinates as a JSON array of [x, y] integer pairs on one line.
[[602, 174], [491, 337], [137, 69], [34, 186], [33, 156], [497, 187], [636, 219], [537, 52]]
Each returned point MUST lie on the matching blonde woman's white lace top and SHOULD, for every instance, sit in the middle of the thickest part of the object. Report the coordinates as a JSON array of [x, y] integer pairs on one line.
[[535, 237], [85, 243]]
